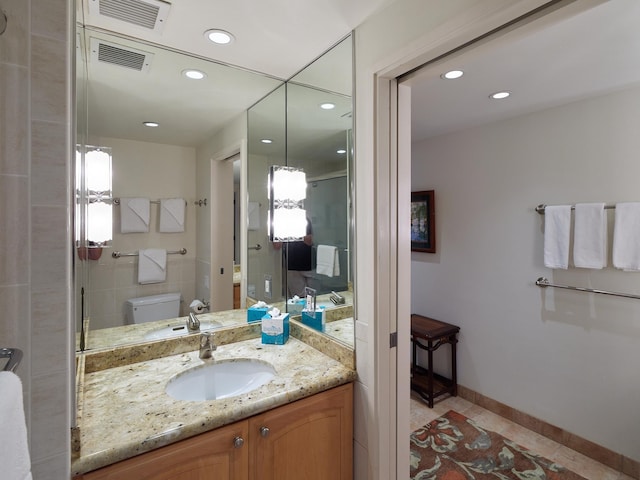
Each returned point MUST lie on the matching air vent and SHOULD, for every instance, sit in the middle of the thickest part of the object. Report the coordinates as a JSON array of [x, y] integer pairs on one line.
[[114, 54], [150, 14]]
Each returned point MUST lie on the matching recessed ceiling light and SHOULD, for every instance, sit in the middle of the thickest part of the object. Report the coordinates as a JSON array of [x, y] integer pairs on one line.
[[151, 124], [341, 151], [499, 95], [328, 106], [452, 74], [266, 140], [220, 37], [194, 74]]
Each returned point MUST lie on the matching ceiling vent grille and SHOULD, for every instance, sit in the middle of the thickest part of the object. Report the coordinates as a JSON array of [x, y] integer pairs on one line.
[[111, 53], [150, 14]]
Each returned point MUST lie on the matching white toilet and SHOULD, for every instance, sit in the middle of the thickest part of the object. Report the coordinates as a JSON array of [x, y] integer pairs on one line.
[[151, 308]]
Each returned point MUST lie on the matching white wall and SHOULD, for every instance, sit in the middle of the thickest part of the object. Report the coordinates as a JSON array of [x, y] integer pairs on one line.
[[153, 171], [568, 358]]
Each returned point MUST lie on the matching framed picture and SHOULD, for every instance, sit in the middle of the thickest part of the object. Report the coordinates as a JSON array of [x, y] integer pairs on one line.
[[423, 222]]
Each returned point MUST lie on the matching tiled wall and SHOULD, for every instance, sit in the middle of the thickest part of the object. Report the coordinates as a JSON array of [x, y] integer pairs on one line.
[[35, 219]]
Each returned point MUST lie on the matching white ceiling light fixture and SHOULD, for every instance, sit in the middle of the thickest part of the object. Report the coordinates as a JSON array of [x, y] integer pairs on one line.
[[151, 124], [219, 37], [266, 140], [194, 74], [341, 151], [327, 106], [452, 74], [500, 95]]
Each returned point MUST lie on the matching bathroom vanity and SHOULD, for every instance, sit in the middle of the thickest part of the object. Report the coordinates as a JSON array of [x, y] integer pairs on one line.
[[301, 419]]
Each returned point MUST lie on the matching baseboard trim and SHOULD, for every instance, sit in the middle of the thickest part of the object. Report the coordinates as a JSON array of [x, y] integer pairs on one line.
[[603, 455]]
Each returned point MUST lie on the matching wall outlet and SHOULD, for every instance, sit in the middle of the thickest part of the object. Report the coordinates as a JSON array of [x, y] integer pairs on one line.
[[267, 286], [251, 291]]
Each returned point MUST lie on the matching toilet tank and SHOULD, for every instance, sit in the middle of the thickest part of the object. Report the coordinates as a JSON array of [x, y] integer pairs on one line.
[[153, 307]]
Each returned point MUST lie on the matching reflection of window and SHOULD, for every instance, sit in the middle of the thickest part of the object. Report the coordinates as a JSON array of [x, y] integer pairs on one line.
[[97, 181], [287, 191]]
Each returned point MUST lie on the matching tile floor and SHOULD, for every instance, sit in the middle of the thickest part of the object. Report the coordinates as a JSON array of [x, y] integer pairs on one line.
[[588, 468]]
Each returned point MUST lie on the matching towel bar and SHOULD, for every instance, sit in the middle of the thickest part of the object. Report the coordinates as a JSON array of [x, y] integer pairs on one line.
[[14, 355], [117, 254], [543, 282], [540, 208], [256, 247]]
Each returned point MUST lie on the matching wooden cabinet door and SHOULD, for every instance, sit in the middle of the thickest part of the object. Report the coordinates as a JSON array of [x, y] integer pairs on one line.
[[311, 439], [209, 456]]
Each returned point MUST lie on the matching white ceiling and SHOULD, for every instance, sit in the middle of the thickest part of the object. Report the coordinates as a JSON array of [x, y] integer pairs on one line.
[[592, 53]]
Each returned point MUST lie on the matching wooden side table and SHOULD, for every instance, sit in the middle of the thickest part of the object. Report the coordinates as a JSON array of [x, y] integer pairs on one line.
[[435, 333]]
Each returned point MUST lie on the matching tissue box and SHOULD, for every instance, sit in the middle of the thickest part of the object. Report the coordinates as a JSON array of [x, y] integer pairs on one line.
[[315, 319], [294, 307], [255, 313], [275, 330]]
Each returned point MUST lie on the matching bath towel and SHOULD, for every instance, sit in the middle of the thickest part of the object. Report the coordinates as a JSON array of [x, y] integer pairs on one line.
[[152, 265], [557, 231], [172, 215], [14, 454], [590, 236], [626, 237], [134, 215], [327, 262]]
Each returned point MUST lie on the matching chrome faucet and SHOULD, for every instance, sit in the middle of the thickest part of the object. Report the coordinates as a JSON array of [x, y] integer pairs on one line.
[[193, 324], [336, 298], [207, 346]]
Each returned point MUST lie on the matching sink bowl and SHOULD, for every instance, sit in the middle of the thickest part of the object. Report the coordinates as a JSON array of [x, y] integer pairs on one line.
[[213, 381], [177, 330]]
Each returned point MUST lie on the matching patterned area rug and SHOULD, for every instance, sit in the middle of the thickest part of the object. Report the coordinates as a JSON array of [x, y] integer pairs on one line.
[[454, 447]]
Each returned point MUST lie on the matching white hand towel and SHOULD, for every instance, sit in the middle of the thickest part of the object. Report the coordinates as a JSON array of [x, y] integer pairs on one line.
[[327, 261], [590, 236], [557, 231], [14, 454], [172, 215], [626, 237], [152, 265], [134, 215]]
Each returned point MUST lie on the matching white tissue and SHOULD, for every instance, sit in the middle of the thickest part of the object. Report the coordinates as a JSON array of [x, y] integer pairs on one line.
[[274, 312], [197, 306], [260, 304], [294, 300]]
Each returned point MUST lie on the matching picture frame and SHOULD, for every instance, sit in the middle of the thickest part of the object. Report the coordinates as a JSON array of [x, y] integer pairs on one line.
[[423, 224]]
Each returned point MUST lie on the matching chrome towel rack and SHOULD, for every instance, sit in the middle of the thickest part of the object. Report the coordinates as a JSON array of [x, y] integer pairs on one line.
[[540, 208], [257, 246], [116, 254], [544, 282], [14, 355]]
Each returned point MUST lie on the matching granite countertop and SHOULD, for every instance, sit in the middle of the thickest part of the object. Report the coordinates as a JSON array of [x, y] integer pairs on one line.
[[126, 411]]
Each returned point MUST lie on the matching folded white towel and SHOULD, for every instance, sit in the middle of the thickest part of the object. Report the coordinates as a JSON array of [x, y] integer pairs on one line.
[[172, 215], [590, 236], [14, 454], [134, 215], [626, 237], [327, 261], [152, 265], [557, 231]]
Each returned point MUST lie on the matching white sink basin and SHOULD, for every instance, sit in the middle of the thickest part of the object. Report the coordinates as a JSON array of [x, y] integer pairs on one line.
[[177, 330], [224, 379]]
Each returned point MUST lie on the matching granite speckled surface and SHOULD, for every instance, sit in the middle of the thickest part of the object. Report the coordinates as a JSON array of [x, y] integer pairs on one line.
[[126, 412]]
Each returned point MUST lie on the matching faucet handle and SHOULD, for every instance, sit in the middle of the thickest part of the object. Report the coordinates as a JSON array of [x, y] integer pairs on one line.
[[207, 345]]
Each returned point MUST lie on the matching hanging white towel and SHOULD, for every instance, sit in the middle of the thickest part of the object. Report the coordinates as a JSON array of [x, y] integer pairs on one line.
[[172, 215], [134, 215], [327, 261], [626, 237], [14, 454], [152, 265], [557, 231], [590, 236]]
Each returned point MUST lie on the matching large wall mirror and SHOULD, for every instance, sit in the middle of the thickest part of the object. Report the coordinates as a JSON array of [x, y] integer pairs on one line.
[[307, 124], [123, 82]]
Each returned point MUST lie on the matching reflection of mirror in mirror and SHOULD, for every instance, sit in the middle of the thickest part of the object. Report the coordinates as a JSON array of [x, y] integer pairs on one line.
[[197, 119], [318, 141]]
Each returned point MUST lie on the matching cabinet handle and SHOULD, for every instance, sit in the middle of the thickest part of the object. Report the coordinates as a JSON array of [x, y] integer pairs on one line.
[[238, 442], [264, 431]]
